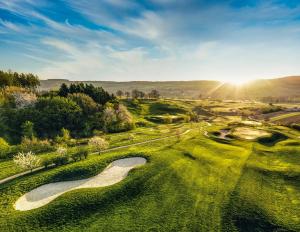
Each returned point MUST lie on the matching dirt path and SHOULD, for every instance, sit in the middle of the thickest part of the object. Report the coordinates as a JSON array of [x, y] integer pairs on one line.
[[107, 150], [112, 174]]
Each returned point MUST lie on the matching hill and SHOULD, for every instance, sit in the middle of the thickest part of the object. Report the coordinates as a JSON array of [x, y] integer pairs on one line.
[[286, 87]]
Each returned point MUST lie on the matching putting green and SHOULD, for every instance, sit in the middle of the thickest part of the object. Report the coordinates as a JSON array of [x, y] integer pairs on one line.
[[249, 133]]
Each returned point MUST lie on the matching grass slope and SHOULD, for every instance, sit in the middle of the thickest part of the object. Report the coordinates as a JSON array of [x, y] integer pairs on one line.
[[189, 184]]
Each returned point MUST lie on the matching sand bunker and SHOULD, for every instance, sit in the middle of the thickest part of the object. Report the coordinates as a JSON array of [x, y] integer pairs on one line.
[[249, 133], [114, 173], [251, 123], [224, 133]]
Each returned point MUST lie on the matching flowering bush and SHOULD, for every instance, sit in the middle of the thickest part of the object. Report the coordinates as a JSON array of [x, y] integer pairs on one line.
[[98, 143], [24, 99], [35, 145], [61, 151], [27, 160], [117, 118]]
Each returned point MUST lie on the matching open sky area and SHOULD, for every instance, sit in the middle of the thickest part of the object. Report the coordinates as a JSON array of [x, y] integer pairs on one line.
[[156, 40]]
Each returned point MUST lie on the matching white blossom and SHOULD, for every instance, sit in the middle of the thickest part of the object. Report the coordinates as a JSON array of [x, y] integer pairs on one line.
[[27, 160], [98, 143]]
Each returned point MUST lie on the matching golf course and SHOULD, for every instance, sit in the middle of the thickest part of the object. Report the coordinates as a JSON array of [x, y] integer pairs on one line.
[[216, 173]]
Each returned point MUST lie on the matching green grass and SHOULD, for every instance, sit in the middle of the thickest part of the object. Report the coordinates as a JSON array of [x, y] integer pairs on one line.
[[284, 116], [189, 184], [9, 168]]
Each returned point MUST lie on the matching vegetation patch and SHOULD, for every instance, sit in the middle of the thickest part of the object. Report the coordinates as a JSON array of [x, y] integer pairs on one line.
[[272, 139]]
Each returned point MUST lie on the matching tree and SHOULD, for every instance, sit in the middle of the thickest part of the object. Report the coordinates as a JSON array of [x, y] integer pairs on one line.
[[52, 114], [127, 94], [86, 103], [98, 143], [135, 93], [28, 131], [154, 94], [27, 160], [24, 80], [98, 94], [117, 118], [63, 90], [64, 136], [119, 93]]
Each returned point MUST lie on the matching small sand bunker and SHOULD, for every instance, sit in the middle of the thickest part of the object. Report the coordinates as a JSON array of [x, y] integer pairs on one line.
[[251, 123], [114, 173], [249, 133], [224, 133]]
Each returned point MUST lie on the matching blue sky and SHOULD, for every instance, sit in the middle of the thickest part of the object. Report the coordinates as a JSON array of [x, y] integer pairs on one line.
[[125, 40]]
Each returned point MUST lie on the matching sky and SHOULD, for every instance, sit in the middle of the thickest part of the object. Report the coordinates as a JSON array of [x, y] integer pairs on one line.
[[155, 40]]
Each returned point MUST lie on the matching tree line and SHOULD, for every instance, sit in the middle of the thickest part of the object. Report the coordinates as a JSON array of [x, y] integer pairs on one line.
[[24, 80], [154, 94], [79, 108]]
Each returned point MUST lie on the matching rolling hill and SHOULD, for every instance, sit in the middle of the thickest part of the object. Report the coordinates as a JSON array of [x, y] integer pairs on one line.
[[286, 87]]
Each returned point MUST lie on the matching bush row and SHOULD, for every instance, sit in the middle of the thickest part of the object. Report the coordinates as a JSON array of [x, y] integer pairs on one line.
[[59, 160]]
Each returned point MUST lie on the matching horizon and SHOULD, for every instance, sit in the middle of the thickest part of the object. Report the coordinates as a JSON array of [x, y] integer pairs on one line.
[[228, 41]]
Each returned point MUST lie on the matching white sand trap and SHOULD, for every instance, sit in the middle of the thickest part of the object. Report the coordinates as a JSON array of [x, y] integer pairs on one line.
[[251, 123], [112, 174], [249, 133]]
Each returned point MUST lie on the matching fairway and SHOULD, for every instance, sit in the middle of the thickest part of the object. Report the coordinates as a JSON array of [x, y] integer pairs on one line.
[[189, 184]]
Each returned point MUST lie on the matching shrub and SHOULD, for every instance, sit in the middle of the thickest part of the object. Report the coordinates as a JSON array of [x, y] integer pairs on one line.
[[60, 160], [46, 162], [27, 160], [117, 118], [64, 136], [168, 119], [80, 154], [4, 148], [98, 144], [35, 145]]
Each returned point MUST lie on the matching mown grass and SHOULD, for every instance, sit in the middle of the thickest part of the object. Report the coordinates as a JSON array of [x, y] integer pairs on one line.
[[190, 183], [267, 195], [284, 116], [9, 168]]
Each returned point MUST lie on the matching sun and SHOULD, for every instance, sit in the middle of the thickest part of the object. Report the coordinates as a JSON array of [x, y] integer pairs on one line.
[[237, 82]]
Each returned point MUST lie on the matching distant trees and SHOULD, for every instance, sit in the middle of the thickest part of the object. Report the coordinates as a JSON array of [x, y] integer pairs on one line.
[[137, 94], [98, 94], [127, 94], [154, 94], [119, 93], [24, 80], [140, 94]]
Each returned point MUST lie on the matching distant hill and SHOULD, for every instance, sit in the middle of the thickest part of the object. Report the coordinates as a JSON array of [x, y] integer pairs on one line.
[[277, 88]]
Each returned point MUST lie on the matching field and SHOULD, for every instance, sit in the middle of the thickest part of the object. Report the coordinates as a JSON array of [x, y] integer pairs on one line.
[[287, 118], [195, 181]]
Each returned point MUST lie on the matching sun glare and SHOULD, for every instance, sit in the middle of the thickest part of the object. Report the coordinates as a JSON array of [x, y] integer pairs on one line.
[[237, 82]]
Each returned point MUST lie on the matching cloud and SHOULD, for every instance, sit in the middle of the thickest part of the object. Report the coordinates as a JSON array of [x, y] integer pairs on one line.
[[154, 40]]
